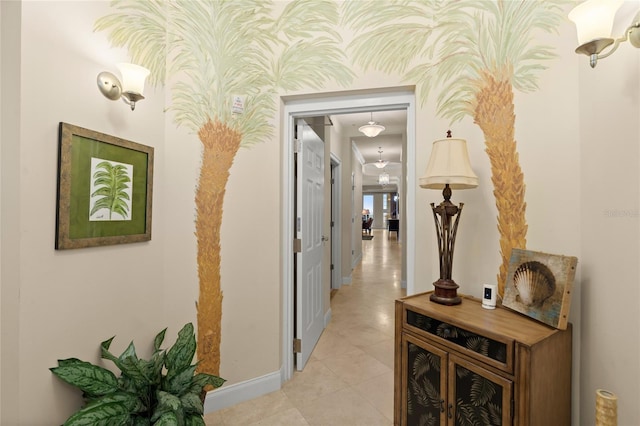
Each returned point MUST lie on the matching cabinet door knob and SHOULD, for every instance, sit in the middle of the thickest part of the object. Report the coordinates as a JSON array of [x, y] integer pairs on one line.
[[450, 411], [442, 405]]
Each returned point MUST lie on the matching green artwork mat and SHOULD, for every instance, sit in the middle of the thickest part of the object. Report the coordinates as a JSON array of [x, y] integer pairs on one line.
[[77, 147]]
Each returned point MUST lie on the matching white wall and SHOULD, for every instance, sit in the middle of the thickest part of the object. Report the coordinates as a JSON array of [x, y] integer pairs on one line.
[[609, 106], [64, 303], [9, 215], [578, 145]]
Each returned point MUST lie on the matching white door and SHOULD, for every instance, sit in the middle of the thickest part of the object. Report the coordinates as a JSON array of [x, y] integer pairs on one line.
[[309, 208]]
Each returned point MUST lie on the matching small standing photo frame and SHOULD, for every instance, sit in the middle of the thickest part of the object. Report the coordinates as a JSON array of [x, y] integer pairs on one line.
[[105, 187], [539, 285]]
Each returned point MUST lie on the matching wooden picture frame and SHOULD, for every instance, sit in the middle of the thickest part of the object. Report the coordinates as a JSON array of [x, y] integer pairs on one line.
[[105, 188], [539, 285]]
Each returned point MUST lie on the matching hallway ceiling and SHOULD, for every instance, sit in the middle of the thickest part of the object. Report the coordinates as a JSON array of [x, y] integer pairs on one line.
[[390, 141]]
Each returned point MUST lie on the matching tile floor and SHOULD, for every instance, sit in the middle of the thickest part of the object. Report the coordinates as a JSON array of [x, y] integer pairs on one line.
[[348, 380]]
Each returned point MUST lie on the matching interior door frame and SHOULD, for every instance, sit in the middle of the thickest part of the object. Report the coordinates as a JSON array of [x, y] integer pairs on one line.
[[348, 102], [336, 217]]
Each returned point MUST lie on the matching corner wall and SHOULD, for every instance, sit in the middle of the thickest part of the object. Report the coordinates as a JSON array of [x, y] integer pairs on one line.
[[59, 304], [9, 213], [609, 105]]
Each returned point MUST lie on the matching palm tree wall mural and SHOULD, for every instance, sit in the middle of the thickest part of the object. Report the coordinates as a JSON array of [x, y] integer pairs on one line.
[[475, 53], [220, 49]]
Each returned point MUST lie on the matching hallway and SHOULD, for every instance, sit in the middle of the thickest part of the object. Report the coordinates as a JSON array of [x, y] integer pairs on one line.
[[349, 378]]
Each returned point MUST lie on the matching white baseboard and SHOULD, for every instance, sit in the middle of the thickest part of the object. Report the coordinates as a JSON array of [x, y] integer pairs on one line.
[[226, 396], [327, 317], [346, 280], [356, 261]]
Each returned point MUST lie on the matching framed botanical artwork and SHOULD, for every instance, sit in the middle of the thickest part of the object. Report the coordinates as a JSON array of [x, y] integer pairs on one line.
[[539, 285], [105, 187]]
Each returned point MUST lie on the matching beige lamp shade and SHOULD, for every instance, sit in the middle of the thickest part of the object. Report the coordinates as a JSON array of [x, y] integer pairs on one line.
[[449, 164], [594, 19]]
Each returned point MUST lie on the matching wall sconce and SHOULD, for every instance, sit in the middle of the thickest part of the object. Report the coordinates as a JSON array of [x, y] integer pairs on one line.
[[448, 168], [131, 88], [594, 22]]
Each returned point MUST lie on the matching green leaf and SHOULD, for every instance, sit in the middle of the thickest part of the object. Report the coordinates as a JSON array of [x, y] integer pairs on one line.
[[181, 353], [89, 378], [167, 419], [194, 420], [168, 410], [68, 361], [167, 401], [159, 339], [104, 346], [130, 352], [179, 382], [192, 403], [137, 370], [134, 399], [110, 410], [140, 421], [201, 380], [154, 367]]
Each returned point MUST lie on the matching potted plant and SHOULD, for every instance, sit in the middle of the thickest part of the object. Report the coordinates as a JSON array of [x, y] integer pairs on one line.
[[164, 390]]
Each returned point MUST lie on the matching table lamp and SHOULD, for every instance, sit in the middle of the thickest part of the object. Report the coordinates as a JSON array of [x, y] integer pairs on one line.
[[448, 168]]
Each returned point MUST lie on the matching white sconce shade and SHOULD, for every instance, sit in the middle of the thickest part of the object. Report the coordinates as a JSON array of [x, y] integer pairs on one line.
[[449, 165], [594, 23], [131, 88], [133, 77], [594, 19]]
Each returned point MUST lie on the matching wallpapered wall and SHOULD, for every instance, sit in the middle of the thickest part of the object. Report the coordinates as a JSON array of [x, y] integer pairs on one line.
[[58, 305]]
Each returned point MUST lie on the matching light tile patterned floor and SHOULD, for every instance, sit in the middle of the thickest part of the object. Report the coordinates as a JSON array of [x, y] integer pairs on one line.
[[349, 378]]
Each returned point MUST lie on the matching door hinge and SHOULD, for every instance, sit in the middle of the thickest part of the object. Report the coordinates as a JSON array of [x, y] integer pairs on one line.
[[297, 245], [297, 146], [332, 266], [297, 346]]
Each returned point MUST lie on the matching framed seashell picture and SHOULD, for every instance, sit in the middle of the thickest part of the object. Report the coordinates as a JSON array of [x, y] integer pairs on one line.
[[539, 285]]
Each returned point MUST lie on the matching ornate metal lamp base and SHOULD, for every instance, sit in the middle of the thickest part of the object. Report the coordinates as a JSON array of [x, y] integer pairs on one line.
[[445, 292]]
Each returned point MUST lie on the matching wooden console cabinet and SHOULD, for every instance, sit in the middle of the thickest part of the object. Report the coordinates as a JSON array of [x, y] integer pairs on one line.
[[466, 365]]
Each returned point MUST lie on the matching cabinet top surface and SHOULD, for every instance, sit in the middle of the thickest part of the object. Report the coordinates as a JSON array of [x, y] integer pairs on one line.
[[471, 315]]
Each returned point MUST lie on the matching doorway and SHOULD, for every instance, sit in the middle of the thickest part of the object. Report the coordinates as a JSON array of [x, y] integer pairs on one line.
[[298, 106]]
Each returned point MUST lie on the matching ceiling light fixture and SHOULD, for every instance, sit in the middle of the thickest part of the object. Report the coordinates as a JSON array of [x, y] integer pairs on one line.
[[131, 87], [381, 163], [383, 179], [371, 129], [594, 23]]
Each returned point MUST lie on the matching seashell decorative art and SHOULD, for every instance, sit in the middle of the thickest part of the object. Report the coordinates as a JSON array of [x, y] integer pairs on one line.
[[535, 283]]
